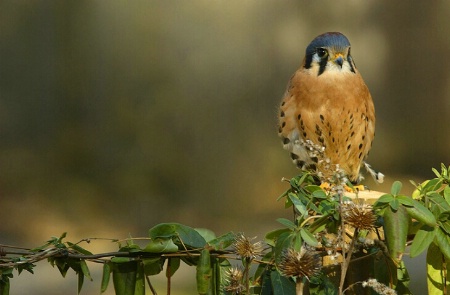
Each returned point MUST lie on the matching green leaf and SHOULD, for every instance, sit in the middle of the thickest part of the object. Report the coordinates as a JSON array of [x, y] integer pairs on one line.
[[403, 279], [207, 234], [80, 281], [284, 241], [173, 263], [85, 269], [105, 276], [281, 285], [301, 208], [436, 172], [124, 277], [297, 241], [308, 237], [62, 266], [139, 287], [446, 193], [316, 191], [204, 273], [287, 223], [445, 226], [189, 236], [394, 204], [319, 194], [130, 247], [444, 216], [422, 239], [161, 245], [272, 236], [396, 187], [404, 200], [323, 286], [220, 268], [431, 185], [121, 259], [320, 223], [222, 242], [4, 285], [436, 268], [395, 226], [283, 195], [79, 249], [387, 198], [153, 266], [442, 240], [421, 213]]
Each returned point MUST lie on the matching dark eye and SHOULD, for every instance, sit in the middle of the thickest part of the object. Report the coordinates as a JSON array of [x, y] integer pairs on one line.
[[322, 52]]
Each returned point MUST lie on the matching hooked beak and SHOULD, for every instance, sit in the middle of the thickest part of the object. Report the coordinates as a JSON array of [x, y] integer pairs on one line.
[[339, 60]]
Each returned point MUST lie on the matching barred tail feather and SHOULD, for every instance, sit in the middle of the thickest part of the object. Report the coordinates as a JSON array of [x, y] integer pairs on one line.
[[377, 176]]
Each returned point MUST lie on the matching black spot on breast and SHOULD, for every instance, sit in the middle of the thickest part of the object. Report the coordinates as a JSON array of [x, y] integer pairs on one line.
[[299, 116], [286, 140], [360, 146], [281, 114], [318, 130], [283, 103], [300, 164], [294, 156], [349, 146], [304, 134], [322, 118], [314, 159], [283, 124], [360, 155], [320, 139], [351, 135], [280, 130]]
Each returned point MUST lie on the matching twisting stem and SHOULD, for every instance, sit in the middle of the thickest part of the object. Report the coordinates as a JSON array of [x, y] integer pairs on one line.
[[152, 289]]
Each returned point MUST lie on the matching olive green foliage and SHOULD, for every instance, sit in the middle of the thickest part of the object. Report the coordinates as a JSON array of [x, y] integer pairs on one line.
[[423, 220]]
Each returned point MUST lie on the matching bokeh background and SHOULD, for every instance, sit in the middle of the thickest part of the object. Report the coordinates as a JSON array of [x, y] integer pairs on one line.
[[119, 115]]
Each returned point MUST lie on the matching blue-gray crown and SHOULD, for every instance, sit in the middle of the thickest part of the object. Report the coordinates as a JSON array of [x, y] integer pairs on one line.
[[330, 39]]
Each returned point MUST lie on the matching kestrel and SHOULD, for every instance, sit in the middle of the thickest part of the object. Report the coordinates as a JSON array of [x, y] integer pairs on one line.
[[327, 116]]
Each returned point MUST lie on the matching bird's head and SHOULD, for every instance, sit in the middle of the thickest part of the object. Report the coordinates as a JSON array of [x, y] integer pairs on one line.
[[329, 52]]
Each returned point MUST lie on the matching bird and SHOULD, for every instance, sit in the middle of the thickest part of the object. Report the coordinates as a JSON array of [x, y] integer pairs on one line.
[[327, 115]]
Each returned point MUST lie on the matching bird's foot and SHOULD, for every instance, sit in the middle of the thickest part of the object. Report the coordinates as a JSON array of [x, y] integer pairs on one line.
[[353, 189]]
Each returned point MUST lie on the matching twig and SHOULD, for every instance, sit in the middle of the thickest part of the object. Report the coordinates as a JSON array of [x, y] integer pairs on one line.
[[168, 275], [299, 286], [151, 286], [346, 261]]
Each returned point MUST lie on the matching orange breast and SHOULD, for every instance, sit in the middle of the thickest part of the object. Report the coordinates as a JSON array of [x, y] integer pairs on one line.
[[333, 110]]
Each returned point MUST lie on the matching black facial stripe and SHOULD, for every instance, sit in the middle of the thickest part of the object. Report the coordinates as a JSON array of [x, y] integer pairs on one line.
[[308, 61], [323, 64], [351, 63]]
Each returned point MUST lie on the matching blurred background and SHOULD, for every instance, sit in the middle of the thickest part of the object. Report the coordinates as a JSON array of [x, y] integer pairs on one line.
[[119, 115]]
